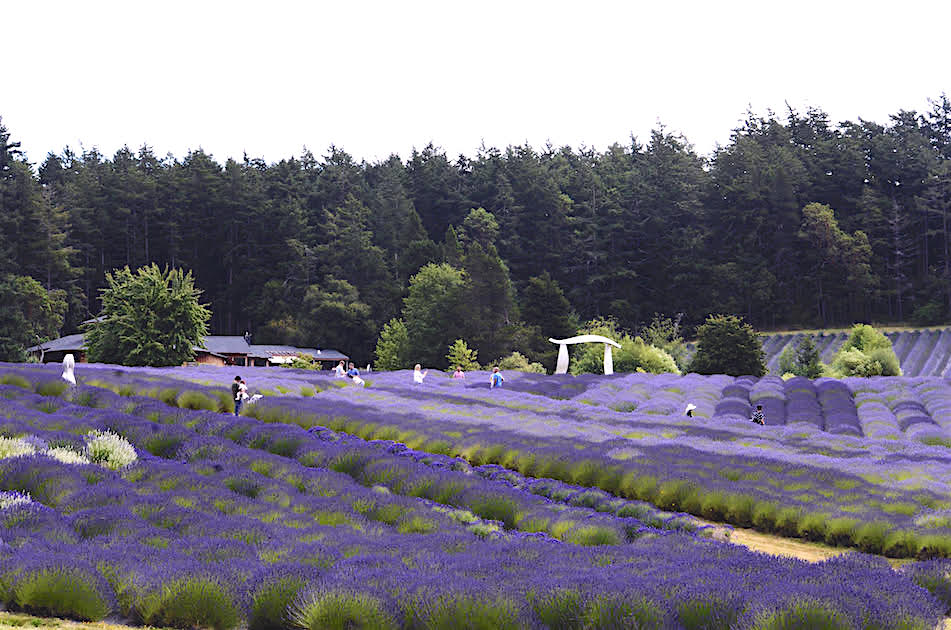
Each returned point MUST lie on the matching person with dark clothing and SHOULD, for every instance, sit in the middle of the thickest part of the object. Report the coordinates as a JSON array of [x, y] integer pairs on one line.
[[758, 416], [236, 394]]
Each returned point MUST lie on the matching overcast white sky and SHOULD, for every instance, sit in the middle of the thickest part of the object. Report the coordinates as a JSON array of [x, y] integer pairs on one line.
[[374, 78]]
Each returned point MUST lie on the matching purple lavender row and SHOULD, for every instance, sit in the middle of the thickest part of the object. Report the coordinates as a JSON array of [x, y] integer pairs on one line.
[[367, 465], [654, 484]]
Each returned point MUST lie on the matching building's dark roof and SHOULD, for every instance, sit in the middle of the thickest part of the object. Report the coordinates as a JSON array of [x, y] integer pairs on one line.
[[225, 344], [69, 342], [217, 345], [259, 351], [329, 354], [266, 351]]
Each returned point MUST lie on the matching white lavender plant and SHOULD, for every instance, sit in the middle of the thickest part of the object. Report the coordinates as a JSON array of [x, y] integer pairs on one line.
[[15, 447], [10, 499], [109, 450], [67, 455]]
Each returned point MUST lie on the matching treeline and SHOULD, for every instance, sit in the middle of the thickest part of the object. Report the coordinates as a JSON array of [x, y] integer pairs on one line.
[[796, 221]]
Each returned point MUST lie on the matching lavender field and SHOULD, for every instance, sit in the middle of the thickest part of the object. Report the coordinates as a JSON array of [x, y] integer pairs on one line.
[[920, 352], [555, 502]]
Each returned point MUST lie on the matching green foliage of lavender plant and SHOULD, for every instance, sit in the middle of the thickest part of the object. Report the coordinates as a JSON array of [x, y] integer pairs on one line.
[[340, 611], [495, 508], [194, 602], [803, 614], [16, 380], [195, 400], [448, 613], [609, 612], [707, 613], [270, 603], [163, 445], [60, 593], [51, 387], [560, 609]]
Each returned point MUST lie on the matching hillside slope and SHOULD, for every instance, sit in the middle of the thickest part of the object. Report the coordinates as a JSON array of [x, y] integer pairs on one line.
[[922, 352]]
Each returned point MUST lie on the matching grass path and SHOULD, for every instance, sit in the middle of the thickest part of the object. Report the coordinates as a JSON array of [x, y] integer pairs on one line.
[[19, 621]]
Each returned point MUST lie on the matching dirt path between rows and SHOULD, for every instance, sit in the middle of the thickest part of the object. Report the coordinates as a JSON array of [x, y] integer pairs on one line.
[[777, 546]]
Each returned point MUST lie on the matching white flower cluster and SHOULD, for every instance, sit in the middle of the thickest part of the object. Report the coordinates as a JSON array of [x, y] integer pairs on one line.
[[109, 450], [15, 447], [9, 499], [67, 455]]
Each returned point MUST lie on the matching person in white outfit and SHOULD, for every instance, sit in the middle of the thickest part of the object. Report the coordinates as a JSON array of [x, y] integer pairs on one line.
[[419, 374], [69, 363]]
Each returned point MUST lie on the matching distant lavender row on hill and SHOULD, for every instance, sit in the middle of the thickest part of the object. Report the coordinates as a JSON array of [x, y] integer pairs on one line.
[[921, 352]]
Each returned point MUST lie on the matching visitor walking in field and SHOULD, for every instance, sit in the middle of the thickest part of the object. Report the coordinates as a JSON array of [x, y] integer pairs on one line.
[[758, 416], [458, 373], [69, 363], [496, 379], [236, 394]]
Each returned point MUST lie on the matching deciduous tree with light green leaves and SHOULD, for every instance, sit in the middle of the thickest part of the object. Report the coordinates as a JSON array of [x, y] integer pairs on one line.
[[434, 311], [392, 348], [867, 352], [462, 356], [29, 314], [150, 316]]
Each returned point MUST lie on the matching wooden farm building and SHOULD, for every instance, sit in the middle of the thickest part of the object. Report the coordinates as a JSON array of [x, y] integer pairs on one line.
[[217, 350]]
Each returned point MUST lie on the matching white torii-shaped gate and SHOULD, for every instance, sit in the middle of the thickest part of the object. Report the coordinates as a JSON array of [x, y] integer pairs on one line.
[[562, 366]]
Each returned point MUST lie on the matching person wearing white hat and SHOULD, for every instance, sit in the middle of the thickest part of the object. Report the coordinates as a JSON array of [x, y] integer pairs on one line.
[[689, 410]]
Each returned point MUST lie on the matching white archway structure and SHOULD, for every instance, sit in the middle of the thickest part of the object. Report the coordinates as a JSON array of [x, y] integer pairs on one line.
[[562, 365]]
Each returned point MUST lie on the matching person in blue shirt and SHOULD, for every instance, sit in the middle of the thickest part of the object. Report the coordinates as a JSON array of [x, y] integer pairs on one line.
[[352, 370], [496, 379]]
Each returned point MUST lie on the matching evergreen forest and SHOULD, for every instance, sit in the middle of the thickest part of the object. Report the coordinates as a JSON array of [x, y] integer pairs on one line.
[[796, 221]]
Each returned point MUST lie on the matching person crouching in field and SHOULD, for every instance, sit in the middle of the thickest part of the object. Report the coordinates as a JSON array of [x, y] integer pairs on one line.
[[758, 416], [354, 374]]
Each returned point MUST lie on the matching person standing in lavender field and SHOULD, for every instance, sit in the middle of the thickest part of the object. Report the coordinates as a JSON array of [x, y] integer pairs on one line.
[[236, 394], [419, 374], [458, 373], [496, 379]]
